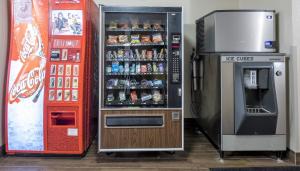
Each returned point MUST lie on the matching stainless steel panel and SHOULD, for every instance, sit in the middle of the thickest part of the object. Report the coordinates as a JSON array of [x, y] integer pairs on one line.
[[209, 116], [280, 86], [244, 31], [209, 33], [237, 31], [227, 99], [253, 143]]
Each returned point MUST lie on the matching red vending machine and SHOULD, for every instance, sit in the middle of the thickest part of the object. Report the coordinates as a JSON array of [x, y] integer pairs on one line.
[[49, 100]]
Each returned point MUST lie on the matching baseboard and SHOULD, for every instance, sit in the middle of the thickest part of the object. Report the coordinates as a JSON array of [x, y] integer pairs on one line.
[[293, 157]]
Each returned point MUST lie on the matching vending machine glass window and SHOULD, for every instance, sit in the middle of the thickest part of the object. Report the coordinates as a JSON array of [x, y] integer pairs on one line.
[[135, 60]]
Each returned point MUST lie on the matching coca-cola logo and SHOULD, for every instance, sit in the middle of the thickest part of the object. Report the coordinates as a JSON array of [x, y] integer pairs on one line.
[[30, 42], [27, 85], [30, 78]]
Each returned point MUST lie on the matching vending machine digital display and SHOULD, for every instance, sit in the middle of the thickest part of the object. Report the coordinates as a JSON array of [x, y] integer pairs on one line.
[[140, 78], [48, 105]]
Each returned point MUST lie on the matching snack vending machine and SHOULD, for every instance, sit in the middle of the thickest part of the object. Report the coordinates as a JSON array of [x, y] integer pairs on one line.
[[49, 100], [140, 78]]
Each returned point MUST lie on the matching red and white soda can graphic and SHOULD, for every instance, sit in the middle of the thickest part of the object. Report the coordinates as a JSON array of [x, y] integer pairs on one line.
[[30, 79]]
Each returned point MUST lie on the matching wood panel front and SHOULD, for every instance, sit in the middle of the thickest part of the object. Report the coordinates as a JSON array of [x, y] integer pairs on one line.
[[168, 136]]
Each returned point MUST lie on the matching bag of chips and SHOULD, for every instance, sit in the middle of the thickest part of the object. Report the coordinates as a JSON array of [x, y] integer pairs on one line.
[[135, 39], [157, 38], [147, 25], [113, 25], [145, 39], [123, 39], [112, 40]]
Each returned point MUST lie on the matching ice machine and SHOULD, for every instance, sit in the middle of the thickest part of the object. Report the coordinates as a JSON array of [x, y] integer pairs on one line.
[[239, 83]]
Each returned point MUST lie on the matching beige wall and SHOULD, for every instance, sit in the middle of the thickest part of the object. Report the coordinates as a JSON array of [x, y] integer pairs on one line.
[[193, 9], [295, 79], [3, 55]]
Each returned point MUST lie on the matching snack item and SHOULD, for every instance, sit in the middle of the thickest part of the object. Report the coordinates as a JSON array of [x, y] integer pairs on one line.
[[147, 25], [149, 67], [149, 55], [124, 26], [133, 97], [157, 82], [109, 55], [127, 54], [157, 97], [131, 56], [115, 55], [161, 67], [120, 54], [138, 68], [124, 83], [110, 97], [161, 54], [113, 25], [143, 68], [115, 67], [108, 69], [132, 68], [157, 38], [133, 83], [123, 39], [145, 39], [146, 97], [135, 39], [154, 67], [112, 40], [144, 54], [121, 68], [112, 83], [135, 24], [155, 55], [122, 96], [137, 54], [126, 66], [157, 26]]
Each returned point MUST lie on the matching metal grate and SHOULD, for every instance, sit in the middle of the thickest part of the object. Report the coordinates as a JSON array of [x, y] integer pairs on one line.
[[257, 110]]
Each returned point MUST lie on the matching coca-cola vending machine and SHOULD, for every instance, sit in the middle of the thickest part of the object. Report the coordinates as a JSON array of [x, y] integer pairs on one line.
[[49, 99]]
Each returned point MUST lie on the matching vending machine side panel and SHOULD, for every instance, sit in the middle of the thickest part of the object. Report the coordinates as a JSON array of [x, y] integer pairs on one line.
[[24, 102]]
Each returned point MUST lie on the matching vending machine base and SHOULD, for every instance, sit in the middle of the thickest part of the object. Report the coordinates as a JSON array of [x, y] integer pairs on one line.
[[140, 130]]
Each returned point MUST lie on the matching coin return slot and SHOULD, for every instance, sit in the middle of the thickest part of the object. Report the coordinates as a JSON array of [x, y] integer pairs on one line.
[[134, 121], [63, 118]]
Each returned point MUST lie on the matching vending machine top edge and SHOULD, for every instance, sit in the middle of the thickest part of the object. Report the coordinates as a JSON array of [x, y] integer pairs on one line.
[[141, 78]]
